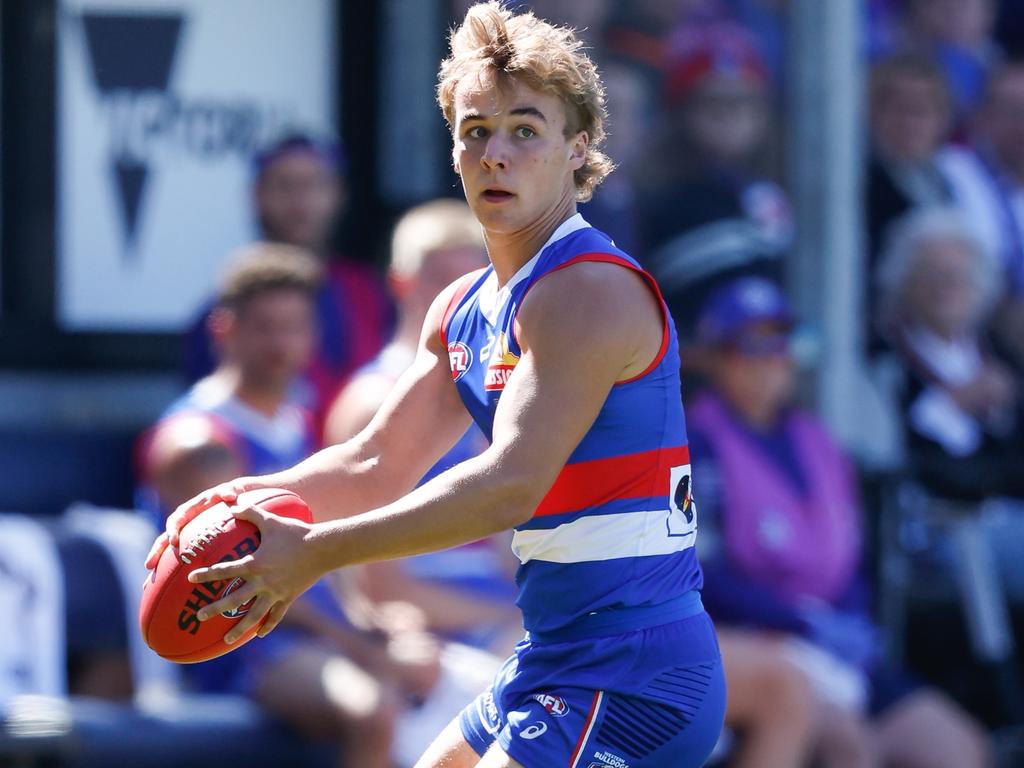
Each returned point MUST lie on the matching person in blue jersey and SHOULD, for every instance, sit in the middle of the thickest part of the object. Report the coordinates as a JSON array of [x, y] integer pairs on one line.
[[564, 354], [465, 593]]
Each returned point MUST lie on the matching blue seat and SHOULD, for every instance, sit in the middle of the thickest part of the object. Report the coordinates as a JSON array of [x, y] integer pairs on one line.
[[45, 471]]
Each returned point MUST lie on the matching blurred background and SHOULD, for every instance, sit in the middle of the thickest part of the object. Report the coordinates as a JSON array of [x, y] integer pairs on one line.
[[865, 157]]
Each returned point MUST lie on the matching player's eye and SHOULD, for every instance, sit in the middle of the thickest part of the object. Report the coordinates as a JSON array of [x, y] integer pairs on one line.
[[524, 132], [476, 132]]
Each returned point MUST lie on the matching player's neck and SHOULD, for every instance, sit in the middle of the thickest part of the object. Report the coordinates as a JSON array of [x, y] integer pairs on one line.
[[509, 251]]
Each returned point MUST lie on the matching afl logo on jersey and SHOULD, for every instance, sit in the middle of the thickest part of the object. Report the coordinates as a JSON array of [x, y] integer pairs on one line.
[[460, 357]]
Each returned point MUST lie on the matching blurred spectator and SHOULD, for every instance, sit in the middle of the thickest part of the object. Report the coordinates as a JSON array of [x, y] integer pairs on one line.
[[236, 421], [766, 20], [637, 31], [988, 184], [587, 18], [963, 410], [771, 705], [710, 212], [614, 209], [959, 35], [465, 593], [299, 193], [909, 122], [781, 542], [318, 672]]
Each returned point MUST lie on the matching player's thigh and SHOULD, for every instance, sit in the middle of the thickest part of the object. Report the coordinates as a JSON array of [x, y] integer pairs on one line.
[[449, 750], [318, 691]]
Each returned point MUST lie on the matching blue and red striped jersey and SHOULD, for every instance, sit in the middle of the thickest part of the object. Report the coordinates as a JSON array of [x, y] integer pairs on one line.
[[617, 528]]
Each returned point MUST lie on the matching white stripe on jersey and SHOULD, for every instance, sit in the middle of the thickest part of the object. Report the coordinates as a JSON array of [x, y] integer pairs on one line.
[[606, 537]]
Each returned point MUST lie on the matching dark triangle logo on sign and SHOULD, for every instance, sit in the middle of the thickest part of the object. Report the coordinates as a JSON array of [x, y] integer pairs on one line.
[[131, 55]]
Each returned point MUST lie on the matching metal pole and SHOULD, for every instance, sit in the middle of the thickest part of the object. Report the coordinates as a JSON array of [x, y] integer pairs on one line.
[[825, 127]]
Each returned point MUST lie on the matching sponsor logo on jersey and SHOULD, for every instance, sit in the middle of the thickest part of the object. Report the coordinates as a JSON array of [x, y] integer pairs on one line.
[[682, 497], [682, 515], [460, 358], [555, 705], [501, 365]]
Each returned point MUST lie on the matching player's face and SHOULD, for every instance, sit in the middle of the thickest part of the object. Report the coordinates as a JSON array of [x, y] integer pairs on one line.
[[298, 200], [272, 337], [512, 153]]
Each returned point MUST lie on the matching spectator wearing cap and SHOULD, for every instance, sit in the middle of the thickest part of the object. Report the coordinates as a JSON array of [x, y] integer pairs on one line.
[[780, 540], [299, 194], [710, 213]]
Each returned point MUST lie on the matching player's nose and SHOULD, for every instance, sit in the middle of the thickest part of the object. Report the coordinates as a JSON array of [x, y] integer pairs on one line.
[[495, 153]]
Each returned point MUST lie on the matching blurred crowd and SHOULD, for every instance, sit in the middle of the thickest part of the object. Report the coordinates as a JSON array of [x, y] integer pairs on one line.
[[300, 343]]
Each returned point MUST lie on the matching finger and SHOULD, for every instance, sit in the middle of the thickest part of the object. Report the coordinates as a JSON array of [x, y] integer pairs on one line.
[[273, 619], [228, 603], [185, 513], [228, 492], [159, 545], [252, 514], [230, 570], [255, 615]]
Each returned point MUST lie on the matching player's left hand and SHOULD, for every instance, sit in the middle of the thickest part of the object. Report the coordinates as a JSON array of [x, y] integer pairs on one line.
[[275, 575]]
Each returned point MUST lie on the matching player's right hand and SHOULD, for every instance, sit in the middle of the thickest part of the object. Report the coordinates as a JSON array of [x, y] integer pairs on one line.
[[226, 492]]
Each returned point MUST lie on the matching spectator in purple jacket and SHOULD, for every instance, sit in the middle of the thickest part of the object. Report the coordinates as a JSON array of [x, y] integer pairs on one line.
[[781, 543]]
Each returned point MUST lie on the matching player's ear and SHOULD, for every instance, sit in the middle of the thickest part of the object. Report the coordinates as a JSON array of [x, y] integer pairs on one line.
[[578, 153]]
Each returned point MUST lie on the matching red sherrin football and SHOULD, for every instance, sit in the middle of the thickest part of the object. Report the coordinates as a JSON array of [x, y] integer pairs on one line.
[[167, 615]]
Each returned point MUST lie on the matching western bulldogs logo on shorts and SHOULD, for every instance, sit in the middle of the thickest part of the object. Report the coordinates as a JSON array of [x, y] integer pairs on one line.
[[460, 357], [555, 705]]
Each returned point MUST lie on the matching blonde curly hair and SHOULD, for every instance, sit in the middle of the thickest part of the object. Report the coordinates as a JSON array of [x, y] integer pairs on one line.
[[544, 57]]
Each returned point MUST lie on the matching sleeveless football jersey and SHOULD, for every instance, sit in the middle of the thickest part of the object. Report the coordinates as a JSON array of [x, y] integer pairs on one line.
[[617, 529]]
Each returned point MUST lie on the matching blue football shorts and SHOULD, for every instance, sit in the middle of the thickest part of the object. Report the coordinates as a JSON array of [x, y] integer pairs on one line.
[[649, 698]]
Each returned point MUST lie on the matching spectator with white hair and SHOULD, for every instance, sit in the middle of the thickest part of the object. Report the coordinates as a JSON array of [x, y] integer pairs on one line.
[[466, 592], [963, 411]]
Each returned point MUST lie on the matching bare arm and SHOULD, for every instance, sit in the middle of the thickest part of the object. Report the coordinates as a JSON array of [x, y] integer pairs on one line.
[[581, 330], [355, 406], [421, 418]]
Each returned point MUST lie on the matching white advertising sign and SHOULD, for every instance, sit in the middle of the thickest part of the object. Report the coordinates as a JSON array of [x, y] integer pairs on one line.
[[162, 104]]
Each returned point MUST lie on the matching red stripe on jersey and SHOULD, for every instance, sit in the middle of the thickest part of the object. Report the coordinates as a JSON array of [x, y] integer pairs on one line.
[[587, 484]]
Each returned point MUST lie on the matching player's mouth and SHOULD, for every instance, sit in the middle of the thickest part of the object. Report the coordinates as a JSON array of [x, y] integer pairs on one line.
[[495, 195]]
